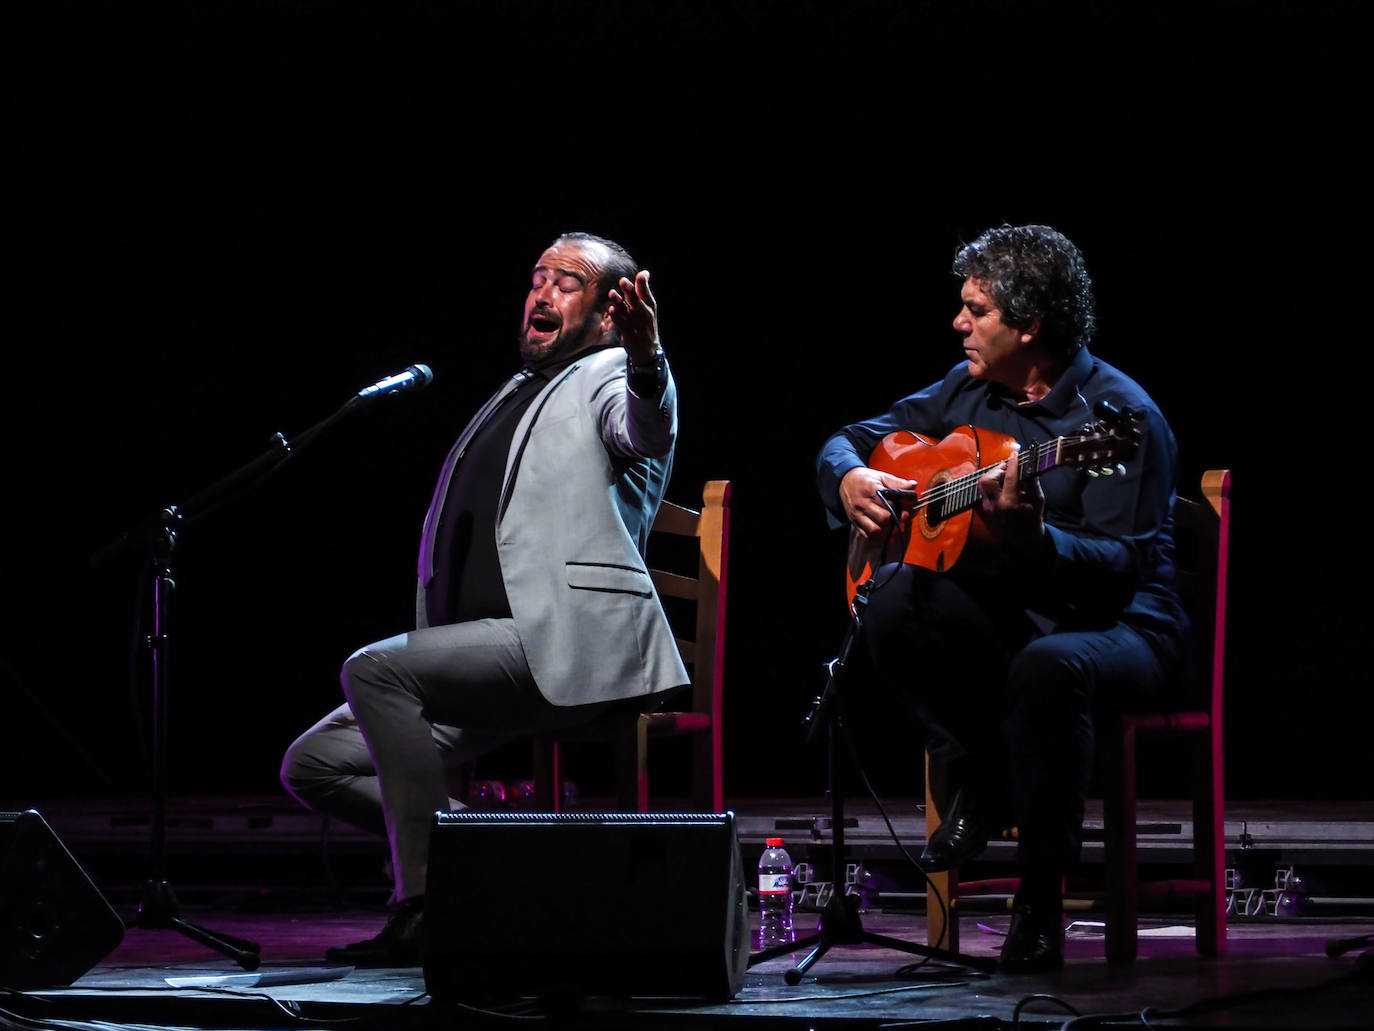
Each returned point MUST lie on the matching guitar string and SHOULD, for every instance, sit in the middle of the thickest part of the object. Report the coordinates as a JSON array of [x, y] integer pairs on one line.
[[964, 483]]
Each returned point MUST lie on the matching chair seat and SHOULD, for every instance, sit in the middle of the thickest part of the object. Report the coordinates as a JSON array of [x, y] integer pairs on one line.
[[610, 726], [1167, 722], [669, 723]]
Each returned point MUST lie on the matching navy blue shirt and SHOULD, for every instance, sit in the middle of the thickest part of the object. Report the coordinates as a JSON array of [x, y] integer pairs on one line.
[[1109, 546]]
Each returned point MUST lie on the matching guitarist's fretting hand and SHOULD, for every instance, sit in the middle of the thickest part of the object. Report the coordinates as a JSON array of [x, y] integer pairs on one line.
[[859, 496], [1014, 511]]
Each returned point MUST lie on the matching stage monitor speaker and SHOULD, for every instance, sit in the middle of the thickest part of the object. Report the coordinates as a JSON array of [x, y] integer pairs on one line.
[[572, 905], [54, 923]]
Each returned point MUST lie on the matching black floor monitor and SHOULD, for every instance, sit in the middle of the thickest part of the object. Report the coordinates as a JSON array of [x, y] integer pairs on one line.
[[573, 904], [54, 923]]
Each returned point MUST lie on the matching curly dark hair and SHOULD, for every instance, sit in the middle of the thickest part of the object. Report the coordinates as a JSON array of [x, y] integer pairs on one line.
[[1031, 271], [621, 264]]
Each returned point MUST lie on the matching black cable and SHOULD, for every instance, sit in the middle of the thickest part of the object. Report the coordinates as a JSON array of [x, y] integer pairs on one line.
[[892, 831], [854, 758], [1040, 997], [908, 969], [136, 651]]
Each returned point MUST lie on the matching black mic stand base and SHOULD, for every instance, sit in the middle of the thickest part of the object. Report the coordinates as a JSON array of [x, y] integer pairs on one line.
[[160, 910], [840, 925]]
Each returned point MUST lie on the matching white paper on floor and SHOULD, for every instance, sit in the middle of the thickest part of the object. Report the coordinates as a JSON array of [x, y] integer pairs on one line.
[[1095, 928], [261, 978]]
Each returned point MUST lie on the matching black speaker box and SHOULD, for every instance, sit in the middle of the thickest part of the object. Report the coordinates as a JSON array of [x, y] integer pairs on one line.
[[54, 923], [560, 905]]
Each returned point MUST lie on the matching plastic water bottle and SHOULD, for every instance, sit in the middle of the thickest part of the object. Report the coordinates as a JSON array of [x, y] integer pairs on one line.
[[775, 896]]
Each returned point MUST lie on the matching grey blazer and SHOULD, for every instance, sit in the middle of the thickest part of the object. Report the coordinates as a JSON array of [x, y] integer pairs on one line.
[[588, 466]]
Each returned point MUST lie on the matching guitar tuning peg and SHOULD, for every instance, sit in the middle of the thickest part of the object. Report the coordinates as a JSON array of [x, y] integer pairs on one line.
[[1107, 470], [1120, 468], [1092, 472]]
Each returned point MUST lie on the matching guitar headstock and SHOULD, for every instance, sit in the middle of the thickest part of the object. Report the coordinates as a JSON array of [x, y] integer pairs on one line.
[[1103, 447]]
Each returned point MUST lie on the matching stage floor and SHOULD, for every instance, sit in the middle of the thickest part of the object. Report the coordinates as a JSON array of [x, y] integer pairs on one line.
[[264, 870], [1274, 975]]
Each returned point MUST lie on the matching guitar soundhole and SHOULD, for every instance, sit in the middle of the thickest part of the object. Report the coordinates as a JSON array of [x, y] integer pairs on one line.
[[933, 511]]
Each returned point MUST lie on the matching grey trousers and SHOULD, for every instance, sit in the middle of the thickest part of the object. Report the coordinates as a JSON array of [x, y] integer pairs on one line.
[[418, 704]]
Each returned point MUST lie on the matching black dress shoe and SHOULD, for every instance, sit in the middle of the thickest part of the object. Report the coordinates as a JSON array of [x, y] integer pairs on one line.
[[1035, 942], [397, 944], [960, 837]]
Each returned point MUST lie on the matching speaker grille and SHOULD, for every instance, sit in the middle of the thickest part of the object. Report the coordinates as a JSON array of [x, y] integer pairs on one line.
[[469, 817], [624, 904]]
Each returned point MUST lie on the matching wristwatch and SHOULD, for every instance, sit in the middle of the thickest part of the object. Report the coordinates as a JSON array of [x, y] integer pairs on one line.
[[647, 380], [631, 369]]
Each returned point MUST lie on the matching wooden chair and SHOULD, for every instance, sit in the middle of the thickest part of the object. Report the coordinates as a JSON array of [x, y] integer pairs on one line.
[[700, 627], [1202, 583], [1203, 535]]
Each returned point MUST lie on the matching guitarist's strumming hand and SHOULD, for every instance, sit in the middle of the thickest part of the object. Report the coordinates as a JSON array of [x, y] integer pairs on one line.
[[1014, 511], [859, 495]]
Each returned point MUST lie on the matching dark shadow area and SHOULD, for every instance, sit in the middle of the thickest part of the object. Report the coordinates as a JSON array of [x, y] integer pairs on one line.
[[229, 218]]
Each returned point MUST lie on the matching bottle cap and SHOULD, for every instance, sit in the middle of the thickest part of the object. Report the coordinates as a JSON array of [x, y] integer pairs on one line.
[[772, 842]]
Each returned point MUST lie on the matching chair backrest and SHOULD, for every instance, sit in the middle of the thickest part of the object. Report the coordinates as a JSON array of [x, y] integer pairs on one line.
[[1203, 536], [1216, 485], [703, 591]]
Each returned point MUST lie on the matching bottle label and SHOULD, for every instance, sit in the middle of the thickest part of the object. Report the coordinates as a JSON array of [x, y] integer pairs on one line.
[[775, 883]]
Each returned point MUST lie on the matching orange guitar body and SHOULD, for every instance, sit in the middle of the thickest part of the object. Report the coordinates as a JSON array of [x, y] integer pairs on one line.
[[915, 540]]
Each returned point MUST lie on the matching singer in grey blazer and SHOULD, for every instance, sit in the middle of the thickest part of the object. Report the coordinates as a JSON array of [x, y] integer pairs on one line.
[[586, 468], [583, 482]]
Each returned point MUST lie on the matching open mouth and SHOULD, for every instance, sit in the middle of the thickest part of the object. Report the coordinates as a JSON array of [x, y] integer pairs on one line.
[[542, 324]]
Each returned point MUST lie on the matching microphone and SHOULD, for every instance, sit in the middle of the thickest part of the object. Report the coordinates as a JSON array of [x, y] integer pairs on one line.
[[417, 377]]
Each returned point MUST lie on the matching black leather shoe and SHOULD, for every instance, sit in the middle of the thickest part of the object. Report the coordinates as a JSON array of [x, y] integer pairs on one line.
[[1035, 942], [960, 837], [397, 945]]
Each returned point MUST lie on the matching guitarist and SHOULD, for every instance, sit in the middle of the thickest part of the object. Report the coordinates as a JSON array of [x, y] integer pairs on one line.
[[1063, 596]]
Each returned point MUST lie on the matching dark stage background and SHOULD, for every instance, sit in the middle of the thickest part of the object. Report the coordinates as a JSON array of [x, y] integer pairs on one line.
[[226, 218]]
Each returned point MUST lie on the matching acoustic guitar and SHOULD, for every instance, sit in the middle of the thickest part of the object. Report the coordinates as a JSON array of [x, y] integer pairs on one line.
[[940, 517]]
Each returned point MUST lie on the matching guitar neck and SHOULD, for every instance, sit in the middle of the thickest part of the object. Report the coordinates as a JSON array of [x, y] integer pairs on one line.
[[962, 493]]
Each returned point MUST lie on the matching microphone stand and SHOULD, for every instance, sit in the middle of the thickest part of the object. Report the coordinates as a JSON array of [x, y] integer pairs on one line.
[[839, 923], [159, 908]]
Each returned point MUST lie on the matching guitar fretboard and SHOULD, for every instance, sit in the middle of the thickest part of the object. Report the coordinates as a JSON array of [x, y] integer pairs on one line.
[[962, 493]]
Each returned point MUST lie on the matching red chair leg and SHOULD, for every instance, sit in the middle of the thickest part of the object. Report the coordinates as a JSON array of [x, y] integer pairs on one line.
[[548, 776], [1209, 847], [707, 789]]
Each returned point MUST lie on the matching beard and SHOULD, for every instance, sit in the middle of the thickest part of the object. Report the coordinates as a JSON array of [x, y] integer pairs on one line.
[[567, 342]]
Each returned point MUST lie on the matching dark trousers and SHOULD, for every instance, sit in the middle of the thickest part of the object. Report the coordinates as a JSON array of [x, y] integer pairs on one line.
[[1008, 709]]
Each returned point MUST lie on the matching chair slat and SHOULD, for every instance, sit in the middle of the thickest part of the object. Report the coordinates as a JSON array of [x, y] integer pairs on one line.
[[674, 585], [677, 520]]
